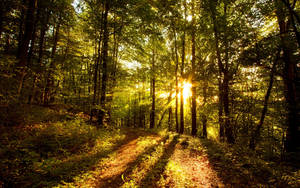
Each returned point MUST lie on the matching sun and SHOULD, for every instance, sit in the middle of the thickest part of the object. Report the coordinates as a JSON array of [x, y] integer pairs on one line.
[[187, 92]]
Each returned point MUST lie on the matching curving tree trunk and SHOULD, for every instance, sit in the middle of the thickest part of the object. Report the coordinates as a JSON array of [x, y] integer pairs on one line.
[[256, 134]]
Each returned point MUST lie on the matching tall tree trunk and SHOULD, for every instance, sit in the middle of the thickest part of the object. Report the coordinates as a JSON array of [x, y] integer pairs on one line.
[[256, 134], [292, 143], [292, 15], [170, 119], [140, 110], [40, 58], [176, 79], [21, 27], [104, 64], [31, 50], [1, 19], [152, 114], [96, 69], [21, 67], [50, 75], [170, 110], [33, 37], [220, 67], [228, 126], [204, 118], [181, 130], [97, 59], [194, 116], [220, 110], [113, 72]]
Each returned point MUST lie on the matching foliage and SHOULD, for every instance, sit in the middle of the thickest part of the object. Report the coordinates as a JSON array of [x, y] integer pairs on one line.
[[44, 154]]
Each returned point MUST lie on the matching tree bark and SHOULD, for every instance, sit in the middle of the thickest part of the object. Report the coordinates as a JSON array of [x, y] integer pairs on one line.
[[194, 116], [220, 67], [176, 79], [40, 57], [97, 64], [292, 143], [21, 27], [1, 20], [181, 130], [170, 119], [104, 64], [228, 126], [204, 118], [33, 37], [50, 75], [97, 58], [21, 67], [292, 15], [152, 114]]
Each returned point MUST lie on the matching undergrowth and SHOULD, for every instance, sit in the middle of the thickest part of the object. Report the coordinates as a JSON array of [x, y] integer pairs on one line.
[[239, 166], [46, 153]]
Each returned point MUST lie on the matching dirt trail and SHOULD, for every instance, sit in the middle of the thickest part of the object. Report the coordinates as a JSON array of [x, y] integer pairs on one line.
[[196, 168], [110, 173], [150, 160]]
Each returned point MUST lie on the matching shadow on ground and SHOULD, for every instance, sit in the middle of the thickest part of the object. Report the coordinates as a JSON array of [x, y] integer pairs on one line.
[[88, 162], [66, 171], [118, 180], [158, 168]]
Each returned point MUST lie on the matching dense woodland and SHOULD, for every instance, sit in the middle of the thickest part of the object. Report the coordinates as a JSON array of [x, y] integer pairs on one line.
[[77, 73]]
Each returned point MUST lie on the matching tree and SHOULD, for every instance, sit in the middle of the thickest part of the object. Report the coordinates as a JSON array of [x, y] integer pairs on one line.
[[24, 46], [104, 62], [194, 120], [290, 79], [181, 130], [152, 114]]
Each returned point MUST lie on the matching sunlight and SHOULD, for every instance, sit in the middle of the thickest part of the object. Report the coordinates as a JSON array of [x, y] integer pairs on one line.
[[132, 65], [187, 92], [163, 95], [189, 18]]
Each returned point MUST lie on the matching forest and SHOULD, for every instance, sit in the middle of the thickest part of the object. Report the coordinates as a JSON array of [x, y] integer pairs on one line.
[[149, 93]]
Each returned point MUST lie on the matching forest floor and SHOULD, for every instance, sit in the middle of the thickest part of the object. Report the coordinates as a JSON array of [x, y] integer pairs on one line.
[[59, 149]]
